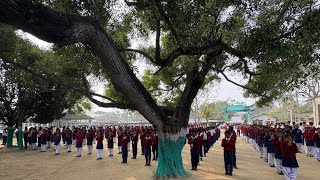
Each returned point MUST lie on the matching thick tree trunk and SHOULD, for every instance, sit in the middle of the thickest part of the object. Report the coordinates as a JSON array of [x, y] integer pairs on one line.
[[169, 155], [20, 142], [10, 136]]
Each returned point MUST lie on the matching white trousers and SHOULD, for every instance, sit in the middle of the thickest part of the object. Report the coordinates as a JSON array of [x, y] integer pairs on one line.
[[128, 146], [79, 151], [261, 151], [73, 141], [290, 173], [48, 144], [100, 153], [309, 150], [34, 146], [278, 164], [90, 149], [265, 153], [317, 154], [84, 141], [299, 146], [120, 149], [110, 151], [271, 159], [58, 148], [69, 147], [43, 147]]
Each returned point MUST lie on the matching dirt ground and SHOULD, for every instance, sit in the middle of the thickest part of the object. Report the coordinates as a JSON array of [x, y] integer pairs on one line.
[[29, 164]]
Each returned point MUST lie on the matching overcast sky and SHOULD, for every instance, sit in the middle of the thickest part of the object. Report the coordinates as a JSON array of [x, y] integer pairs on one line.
[[223, 91]]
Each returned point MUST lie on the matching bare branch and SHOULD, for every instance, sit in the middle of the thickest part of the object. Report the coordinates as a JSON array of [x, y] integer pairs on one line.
[[158, 55], [145, 54], [242, 86]]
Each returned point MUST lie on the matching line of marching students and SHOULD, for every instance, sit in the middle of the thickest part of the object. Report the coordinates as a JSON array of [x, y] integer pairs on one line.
[[278, 144], [125, 137], [201, 140]]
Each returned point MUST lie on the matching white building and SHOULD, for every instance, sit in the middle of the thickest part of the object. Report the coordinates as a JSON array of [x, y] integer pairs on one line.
[[263, 119]]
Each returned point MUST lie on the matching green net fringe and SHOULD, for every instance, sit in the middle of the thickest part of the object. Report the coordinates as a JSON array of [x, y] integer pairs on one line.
[[170, 159]]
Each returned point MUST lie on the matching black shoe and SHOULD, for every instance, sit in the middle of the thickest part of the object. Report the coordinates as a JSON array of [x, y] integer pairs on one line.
[[192, 169], [122, 162], [235, 167], [201, 159], [68, 151], [230, 174], [146, 165], [226, 173], [132, 158]]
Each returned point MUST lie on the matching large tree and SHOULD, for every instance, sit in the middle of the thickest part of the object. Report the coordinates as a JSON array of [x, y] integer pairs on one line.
[[193, 41]]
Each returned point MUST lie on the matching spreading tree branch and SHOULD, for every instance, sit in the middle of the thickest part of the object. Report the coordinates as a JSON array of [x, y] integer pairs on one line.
[[145, 54], [195, 80], [64, 29], [237, 84]]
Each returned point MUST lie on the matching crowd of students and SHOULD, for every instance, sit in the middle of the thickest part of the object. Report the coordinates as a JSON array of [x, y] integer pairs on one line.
[[78, 137], [201, 139], [278, 144]]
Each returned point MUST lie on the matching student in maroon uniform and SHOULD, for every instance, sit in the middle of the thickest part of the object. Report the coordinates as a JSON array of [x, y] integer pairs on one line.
[[142, 138], [316, 139], [110, 143], [134, 144], [289, 161], [228, 144], [200, 139], [120, 138], [233, 136], [68, 138], [99, 145], [44, 136], [34, 138], [278, 139], [79, 142], [90, 138], [124, 147], [25, 137], [49, 136], [155, 146], [57, 139], [309, 141], [194, 149], [147, 148]]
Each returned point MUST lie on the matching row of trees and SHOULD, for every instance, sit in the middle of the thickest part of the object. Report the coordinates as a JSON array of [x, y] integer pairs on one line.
[[270, 43], [33, 84]]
